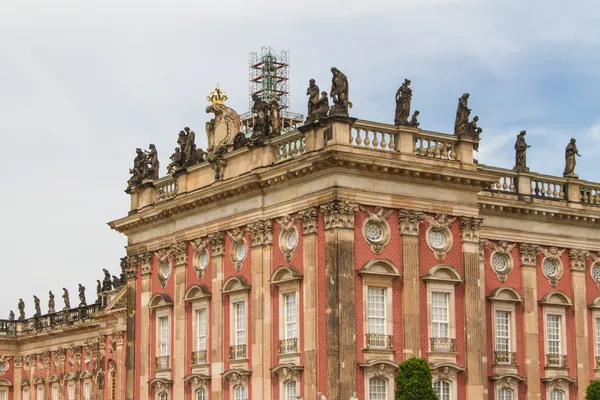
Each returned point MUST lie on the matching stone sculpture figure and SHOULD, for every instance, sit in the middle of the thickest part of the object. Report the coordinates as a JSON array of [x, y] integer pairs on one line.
[[190, 147], [176, 163], [474, 131], [570, 161], [275, 118], [36, 305], [322, 108], [462, 115], [240, 140], [217, 163], [521, 153], [140, 170], [403, 98], [11, 316], [51, 305], [313, 101], [413, 120], [152, 159], [261, 125], [106, 283], [82, 302], [66, 299], [21, 307], [98, 286], [339, 93], [116, 282]]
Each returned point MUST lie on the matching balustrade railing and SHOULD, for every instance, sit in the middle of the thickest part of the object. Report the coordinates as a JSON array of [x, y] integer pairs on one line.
[[199, 357], [590, 195], [373, 136], [442, 147], [379, 341], [287, 346], [289, 146], [237, 352], [166, 188], [161, 362], [548, 189], [556, 360], [505, 357], [8, 328], [443, 345], [506, 183]]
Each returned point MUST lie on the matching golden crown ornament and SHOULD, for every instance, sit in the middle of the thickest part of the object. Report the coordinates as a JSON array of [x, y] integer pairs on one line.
[[217, 96]]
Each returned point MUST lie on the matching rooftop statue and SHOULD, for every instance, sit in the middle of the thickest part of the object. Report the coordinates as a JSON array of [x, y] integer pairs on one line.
[[98, 291], [322, 108], [65, 297], [224, 125], [521, 153], [570, 161], [51, 305], [106, 283], [413, 119], [339, 93], [139, 172], [11, 316], [313, 101], [403, 98], [152, 159], [177, 161], [82, 302], [116, 282], [36, 305], [216, 161], [21, 307], [462, 115]]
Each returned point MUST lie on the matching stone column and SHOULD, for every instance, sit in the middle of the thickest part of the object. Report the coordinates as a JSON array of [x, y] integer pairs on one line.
[[261, 234], [309, 219], [146, 275], [18, 365], [474, 322], [179, 252], [217, 246], [409, 222], [340, 300], [528, 254], [484, 333], [577, 260]]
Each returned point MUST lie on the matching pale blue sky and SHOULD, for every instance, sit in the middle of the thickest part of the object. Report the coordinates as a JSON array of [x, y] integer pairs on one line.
[[82, 84]]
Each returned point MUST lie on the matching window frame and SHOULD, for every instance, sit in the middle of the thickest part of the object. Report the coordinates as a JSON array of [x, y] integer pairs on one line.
[[382, 319], [163, 348], [450, 387], [385, 387], [236, 326], [199, 338], [510, 390], [287, 323], [87, 385], [244, 394]]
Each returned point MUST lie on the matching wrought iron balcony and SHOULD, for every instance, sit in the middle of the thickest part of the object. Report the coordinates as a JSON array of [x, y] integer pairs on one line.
[[505, 357], [379, 341], [287, 346], [443, 345], [161, 362], [237, 352], [199, 357], [556, 360]]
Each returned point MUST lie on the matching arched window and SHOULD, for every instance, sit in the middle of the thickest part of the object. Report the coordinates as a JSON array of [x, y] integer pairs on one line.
[[290, 390], [377, 389], [240, 393], [163, 396], [557, 395], [505, 394], [442, 389], [201, 394]]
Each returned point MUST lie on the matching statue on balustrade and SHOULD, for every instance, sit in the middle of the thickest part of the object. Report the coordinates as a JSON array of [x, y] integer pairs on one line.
[[82, 302], [275, 117], [461, 124], [313, 101], [106, 283], [240, 140], [521, 153], [65, 297], [98, 291], [36, 305], [339, 93], [322, 108], [152, 159], [176, 163], [51, 305], [216, 161], [11, 316], [570, 153], [21, 308], [403, 98], [139, 172], [115, 282], [413, 120]]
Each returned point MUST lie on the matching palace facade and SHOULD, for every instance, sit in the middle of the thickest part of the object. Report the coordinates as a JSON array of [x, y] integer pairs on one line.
[[311, 264]]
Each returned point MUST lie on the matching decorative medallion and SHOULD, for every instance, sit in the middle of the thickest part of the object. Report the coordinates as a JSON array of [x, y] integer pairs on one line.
[[376, 229], [501, 260], [4, 364], [439, 237], [288, 236], [201, 258], [164, 266], [595, 270], [552, 266], [239, 247]]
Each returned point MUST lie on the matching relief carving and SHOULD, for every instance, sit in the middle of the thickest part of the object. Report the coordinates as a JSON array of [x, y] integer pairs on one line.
[[288, 236], [577, 259], [409, 221], [217, 243], [339, 214], [261, 232], [528, 253], [376, 229], [470, 228], [501, 259], [199, 246], [179, 251], [309, 219]]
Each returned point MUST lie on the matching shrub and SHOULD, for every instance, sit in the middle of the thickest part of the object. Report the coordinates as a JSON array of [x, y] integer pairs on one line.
[[593, 391], [413, 381]]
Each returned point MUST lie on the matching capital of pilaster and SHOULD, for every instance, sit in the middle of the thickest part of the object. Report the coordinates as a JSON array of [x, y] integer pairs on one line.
[[217, 243], [339, 214], [179, 251], [577, 259], [145, 260], [261, 232], [310, 220], [470, 227], [409, 221], [129, 266], [528, 253]]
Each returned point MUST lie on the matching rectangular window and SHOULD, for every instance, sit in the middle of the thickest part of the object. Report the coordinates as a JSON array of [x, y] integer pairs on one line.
[[3, 395], [376, 310], [439, 315], [54, 392], [290, 316], [503, 331], [598, 337], [201, 321], [553, 334], [163, 331], [25, 394], [71, 391], [87, 391], [240, 322], [40, 393]]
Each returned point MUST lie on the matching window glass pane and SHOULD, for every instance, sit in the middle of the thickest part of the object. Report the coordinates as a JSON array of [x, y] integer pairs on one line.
[[439, 315], [240, 393], [54, 392], [201, 394], [376, 310], [290, 390], [240, 322], [87, 392], [71, 392], [597, 336], [163, 324], [40, 393], [377, 389], [201, 323], [505, 394], [553, 334], [502, 331], [557, 395], [164, 396], [25, 394], [442, 389], [3, 395], [290, 316]]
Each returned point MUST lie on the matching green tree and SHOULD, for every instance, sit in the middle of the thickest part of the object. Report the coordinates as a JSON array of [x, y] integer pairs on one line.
[[413, 381], [593, 391]]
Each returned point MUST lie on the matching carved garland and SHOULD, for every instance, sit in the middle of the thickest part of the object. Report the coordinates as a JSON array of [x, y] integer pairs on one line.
[[552, 266], [375, 229], [501, 260], [164, 266], [288, 236]]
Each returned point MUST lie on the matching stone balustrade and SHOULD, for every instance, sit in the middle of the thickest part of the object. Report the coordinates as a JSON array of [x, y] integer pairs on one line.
[[435, 145], [556, 360], [374, 136]]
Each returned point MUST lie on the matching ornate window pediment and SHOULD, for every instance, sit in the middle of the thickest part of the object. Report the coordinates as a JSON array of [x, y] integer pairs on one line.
[[284, 274], [443, 273], [197, 381], [235, 284], [560, 382], [160, 300], [446, 371], [236, 377], [507, 381], [5, 383], [161, 385], [556, 298], [24, 382], [53, 378], [595, 303], [505, 293], [384, 369], [380, 267], [287, 372], [38, 380], [197, 292], [69, 376], [85, 374]]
